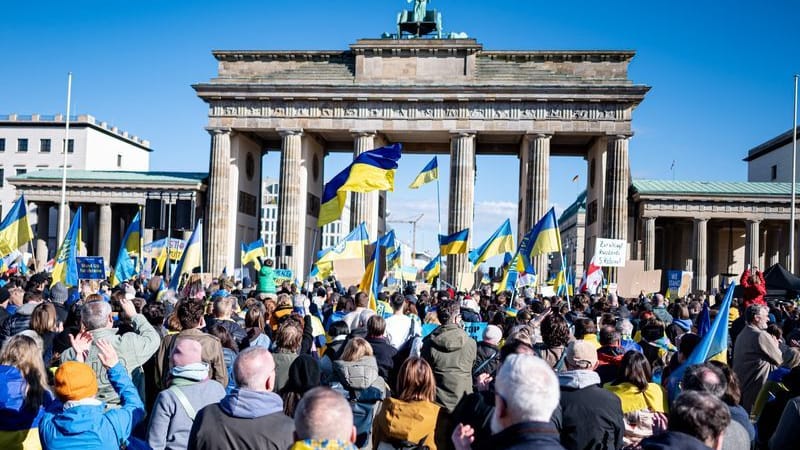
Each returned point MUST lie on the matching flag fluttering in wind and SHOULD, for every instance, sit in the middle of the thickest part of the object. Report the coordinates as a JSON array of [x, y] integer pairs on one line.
[[429, 173], [432, 269], [372, 170], [65, 268], [371, 281], [130, 252], [15, 230], [545, 237], [592, 279], [251, 252], [499, 242], [192, 257], [454, 244]]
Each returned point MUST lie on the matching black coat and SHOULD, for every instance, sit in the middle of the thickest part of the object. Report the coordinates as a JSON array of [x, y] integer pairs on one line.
[[526, 435], [488, 354], [591, 418], [384, 354]]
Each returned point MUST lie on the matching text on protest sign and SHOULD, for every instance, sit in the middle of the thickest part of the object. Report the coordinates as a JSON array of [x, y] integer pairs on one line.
[[91, 268], [610, 253]]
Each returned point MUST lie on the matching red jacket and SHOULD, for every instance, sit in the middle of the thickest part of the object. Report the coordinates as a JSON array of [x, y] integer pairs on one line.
[[753, 293]]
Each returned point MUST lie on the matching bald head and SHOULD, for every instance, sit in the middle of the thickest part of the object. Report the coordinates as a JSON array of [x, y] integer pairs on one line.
[[324, 414], [254, 369]]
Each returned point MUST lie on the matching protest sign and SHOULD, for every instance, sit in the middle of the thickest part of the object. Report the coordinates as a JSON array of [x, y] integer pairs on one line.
[[427, 328], [610, 252], [475, 329], [91, 268], [349, 271], [282, 275]]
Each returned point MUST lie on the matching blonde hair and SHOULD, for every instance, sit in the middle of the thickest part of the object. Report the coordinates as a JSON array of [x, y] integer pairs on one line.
[[44, 319], [24, 353], [355, 349]]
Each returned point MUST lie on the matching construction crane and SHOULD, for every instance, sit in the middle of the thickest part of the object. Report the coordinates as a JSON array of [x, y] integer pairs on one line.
[[413, 221]]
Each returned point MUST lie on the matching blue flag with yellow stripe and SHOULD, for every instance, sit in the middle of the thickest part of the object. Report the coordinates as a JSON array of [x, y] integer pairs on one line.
[[455, 243], [127, 265], [429, 173]]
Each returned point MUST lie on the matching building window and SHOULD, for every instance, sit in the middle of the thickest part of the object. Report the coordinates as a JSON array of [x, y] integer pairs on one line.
[[22, 145], [119, 160], [2, 144], [2, 177], [773, 172], [247, 203], [21, 171], [71, 146], [44, 145]]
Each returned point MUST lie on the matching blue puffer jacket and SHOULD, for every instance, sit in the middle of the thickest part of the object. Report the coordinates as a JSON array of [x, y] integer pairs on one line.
[[88, 427], [19, 426]]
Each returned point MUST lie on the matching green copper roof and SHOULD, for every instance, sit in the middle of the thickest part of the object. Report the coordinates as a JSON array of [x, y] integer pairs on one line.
[[115, 176], [578, 206], [651, 187]]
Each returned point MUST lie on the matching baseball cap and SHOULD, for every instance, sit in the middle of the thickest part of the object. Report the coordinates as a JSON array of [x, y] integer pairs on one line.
[[582, 352]]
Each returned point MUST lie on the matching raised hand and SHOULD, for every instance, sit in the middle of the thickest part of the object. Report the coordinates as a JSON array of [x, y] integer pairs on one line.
[[81, 344], [108, 356], [462, 437], [128, 308]]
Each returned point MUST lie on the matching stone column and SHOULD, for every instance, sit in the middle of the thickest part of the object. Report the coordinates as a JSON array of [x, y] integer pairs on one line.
[[42, 233], [462, 197], [774, 245], [219, 201], [364, 205], [649, 243], [104, 234], [752, 236], [538, 186], [615, 211], [290, 189], [700, 254], [523, 214]]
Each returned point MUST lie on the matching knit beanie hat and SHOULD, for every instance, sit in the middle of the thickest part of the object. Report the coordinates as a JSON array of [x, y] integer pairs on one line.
[[58, 293], [186, 351], [75, 381]]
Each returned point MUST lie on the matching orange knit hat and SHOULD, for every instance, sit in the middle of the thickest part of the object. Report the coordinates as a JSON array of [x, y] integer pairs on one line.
[[75, 381]]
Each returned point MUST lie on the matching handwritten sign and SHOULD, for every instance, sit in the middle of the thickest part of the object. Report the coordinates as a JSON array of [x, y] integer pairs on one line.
[[610, 252], [282, 275], [91, 268]]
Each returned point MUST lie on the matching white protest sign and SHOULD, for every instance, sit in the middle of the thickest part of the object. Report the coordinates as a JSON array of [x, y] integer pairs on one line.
[[610, 252]]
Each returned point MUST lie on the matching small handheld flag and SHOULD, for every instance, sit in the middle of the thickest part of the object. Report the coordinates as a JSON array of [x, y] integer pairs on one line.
[[251, 252], [65, 269], [429, 173]]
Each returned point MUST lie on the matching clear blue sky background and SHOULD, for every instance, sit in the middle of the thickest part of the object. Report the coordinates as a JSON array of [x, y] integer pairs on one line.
[[721, 74]]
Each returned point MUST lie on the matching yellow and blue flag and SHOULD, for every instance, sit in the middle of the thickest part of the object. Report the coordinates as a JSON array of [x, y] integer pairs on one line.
[[251, 252], [545, 237], [713, 345], [511, 273], [454, 244], [130, 251], [432, 269], [499, 242], [351, 247], [371, 281], [429, 173], [65, 269], [371, 171], [15, 230], [192, 257]]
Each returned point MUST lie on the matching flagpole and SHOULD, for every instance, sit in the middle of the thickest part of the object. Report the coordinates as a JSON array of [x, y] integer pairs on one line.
[[439, 220], [63, 209], [794, 179]]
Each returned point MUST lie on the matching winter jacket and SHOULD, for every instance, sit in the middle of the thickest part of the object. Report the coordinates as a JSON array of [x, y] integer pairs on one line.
[[753, 293], [524, 436], [591, 417], [211, 354], [266, 280], [609, 360], [384, 354], [170, 423], [653, 398], [90, 426], [19, 426], [19, 321], [662, 314], [243, 420], [354, 377], [487, 359], [282, 363], [755, 355], [451, 353], [551, 355], [133, 349], [672, 440], [786, 434], [234, 329], [414, 422]]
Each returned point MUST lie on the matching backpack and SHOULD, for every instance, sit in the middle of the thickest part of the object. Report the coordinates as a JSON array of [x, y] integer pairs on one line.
[[362, 403]]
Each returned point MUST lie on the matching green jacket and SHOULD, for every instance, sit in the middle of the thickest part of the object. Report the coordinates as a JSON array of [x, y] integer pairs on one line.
[[451, 353], [266, 280], [134, 349]]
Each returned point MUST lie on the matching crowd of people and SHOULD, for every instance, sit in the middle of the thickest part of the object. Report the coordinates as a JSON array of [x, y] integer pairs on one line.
[[227, 366]]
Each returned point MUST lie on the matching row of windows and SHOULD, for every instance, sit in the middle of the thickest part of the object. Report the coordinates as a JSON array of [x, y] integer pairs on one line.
[[45, 145]]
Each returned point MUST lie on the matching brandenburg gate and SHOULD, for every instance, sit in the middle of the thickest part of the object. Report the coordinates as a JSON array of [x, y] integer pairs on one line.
[[445, 96]]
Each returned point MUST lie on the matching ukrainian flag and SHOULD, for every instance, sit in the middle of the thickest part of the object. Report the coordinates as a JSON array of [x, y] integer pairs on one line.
[[511, 274], [65, 269], [15, 230], [499, 242], [371, 281], [713, 345], [432, 269], [454, 244], [251, 252], [545, 237], [129, 252], [371, 171], [429, 173], [352, 246], [191, 258], [388, 241], [393, 259]]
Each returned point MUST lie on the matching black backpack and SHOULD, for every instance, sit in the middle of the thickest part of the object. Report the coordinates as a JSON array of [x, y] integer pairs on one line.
[[362, 403]]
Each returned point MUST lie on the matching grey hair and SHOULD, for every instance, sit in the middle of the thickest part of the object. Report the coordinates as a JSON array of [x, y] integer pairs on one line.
[[625, 327], [323, 414], [529, 388], [252, 368], [94, 315]]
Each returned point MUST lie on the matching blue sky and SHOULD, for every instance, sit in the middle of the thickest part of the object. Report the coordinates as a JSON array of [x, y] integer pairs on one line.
[[721, 75]]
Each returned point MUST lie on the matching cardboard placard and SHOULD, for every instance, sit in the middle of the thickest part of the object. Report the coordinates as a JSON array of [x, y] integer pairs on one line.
[[610, 252], [91, 267], [633, 279], [465, 281], [349, 271], [282, 275]]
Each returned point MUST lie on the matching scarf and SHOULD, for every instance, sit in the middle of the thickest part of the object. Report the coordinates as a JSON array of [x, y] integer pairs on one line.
[[190, 373]]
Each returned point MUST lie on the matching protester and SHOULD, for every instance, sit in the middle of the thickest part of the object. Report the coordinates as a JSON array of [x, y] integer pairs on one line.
[[754, 287], [21, 319], [400, 326], [487, 356], [732, 397], [451, 353], [555, 337], [190, 390], [83, 420], [591, 417], [697, 422], [304, 375], [222, 313], [323, 421], [44, 322], [266, 278], [251, 416], [381, 348], [755, 354], [288, 339], [609, 355]]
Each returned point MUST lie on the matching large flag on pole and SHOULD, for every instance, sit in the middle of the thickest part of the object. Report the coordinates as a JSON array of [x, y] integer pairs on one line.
[[65, 269], [351, 247], [127, 265], [192, 257], [371, 281], [545, 237], [499, 242], [454, 244], [429, 173], [15, 230], [251, 252], [371, 171]]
